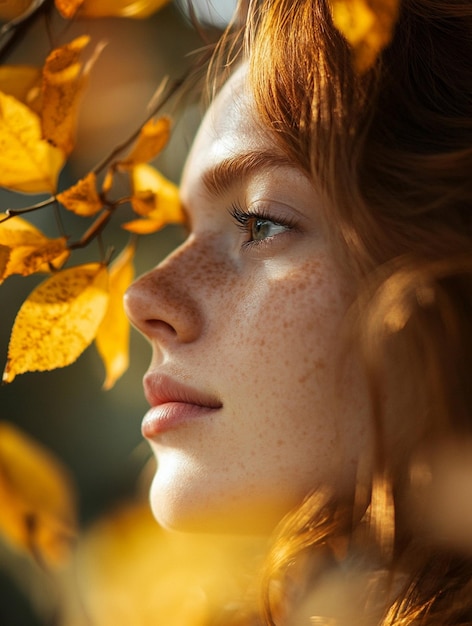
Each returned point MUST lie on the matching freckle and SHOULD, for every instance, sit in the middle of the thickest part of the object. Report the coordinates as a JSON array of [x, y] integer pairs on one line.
[[280, 442]]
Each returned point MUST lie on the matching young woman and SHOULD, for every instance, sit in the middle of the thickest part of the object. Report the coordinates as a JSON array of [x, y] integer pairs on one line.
[[312, 338]]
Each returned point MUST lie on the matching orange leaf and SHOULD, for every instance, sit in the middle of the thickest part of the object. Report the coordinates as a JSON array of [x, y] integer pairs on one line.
[[143, 227], [110, 8], [58, 320], [28, 163], [9, 9], [37, 509], [4, 258], [134, 572], [23, 82], [112, 338], [82, 198], [68, 8], [154, 197], [29, 249], [153, 137], [368, 26], [64, 79]]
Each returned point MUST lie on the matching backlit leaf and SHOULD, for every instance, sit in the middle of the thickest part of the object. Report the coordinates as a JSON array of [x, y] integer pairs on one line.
[[37, 509], [29, 250], [110, 8], [23, 82], [82, 198], [153, 137], [28, 163], [58, 320], [112, 338], [368, 26], [64, 79], [155, 198], [134, 572]]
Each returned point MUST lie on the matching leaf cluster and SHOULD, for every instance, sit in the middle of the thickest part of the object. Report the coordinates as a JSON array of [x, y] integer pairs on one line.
[[39, 109]]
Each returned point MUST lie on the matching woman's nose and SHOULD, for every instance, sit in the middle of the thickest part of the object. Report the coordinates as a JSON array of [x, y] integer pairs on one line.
[[160, 303]]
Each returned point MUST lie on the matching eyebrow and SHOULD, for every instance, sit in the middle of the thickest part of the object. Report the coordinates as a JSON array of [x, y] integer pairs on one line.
[[220, 178]]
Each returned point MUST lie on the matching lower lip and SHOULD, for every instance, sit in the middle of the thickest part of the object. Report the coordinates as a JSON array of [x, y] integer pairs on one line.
[[171, 415]]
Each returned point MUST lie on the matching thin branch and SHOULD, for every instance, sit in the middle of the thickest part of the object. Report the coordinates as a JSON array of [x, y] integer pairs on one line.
[[9, 213], [93, 231], [14, 27]]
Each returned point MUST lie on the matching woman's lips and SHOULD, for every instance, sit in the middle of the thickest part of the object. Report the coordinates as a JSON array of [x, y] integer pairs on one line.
[[172, 404]]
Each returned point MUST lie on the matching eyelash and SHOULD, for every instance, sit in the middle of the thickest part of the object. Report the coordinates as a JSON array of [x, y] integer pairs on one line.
[[245, 219]]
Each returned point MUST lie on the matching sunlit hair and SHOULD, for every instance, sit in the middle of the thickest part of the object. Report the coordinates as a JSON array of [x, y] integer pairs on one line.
[[391, 152]]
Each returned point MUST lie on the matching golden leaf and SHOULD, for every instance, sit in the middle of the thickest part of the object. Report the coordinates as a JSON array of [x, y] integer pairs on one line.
[[23, 82], [28, 163], [112, 338], [110, 8], [37, 509], [9, 9], [155, 198], [64, 79], [4, 258], [153, 137], [368, 26], [29, 249], [82, 198], [134, 572], [58, 320], [68, 8]]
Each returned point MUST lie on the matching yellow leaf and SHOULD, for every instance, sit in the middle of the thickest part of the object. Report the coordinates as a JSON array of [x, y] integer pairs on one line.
[[68, 8], [64, 79], [82, 198], [154, 197], [153, 137], [368, 26], [110, 8], [37, 509], [58, 320], [4, 258], [134, 572], [9, 9], [112, 338], [29, 249], [28, 163], [23, 82]]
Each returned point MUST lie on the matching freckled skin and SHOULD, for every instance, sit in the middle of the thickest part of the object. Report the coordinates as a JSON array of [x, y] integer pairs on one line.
[[258, 327]]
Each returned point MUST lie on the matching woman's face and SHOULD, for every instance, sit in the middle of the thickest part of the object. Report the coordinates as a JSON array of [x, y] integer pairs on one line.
[[250, 409]]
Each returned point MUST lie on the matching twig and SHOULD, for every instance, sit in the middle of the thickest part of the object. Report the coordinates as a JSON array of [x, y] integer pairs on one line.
[[14, 27], [9, 213]]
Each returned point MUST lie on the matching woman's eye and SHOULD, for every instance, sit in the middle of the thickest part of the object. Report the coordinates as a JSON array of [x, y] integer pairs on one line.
[[261, 228], [257, 227]]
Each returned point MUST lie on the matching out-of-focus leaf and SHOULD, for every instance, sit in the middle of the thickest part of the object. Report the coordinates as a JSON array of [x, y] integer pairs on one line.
[[64, 79], [23, 82], [112, 338], [4, 258], [109, 8], [9, 9], [28, 163], [153, 137], [29, 250], [58, 320], [37, 508], [133, 572], [82, 198], [155, 198], [368, 26]]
